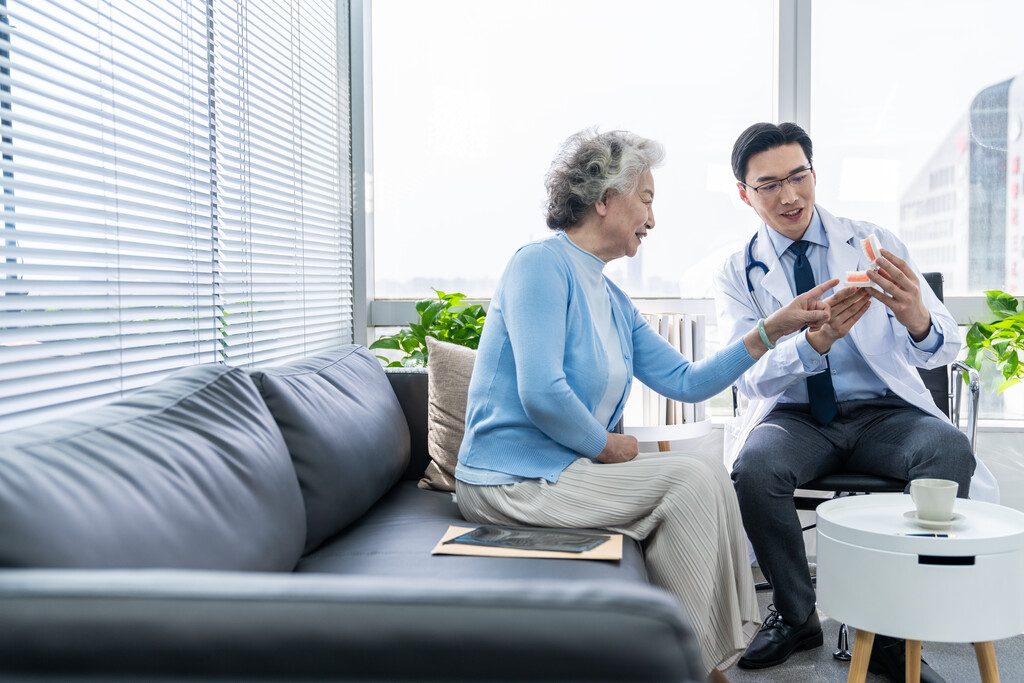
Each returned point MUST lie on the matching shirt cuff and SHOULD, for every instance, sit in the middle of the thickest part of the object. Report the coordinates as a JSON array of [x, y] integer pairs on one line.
[[812, 361], [931, 343]]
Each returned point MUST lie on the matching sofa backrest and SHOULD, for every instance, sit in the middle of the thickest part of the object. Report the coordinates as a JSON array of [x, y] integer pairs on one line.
[[345, 430], [191, 472]]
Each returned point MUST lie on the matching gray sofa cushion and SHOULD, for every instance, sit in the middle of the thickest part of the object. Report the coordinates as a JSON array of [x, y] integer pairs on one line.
[[395, 539], [345, 430], [188, 473]]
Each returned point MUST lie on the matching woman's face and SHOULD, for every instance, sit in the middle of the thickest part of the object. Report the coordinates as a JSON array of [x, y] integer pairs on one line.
[[627, 218]]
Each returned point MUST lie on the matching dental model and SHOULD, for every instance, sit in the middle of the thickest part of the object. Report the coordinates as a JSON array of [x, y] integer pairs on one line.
[[857, 278], [871, 248]]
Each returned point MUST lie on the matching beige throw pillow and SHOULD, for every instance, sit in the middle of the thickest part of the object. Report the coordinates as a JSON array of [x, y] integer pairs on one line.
[[449, 368]]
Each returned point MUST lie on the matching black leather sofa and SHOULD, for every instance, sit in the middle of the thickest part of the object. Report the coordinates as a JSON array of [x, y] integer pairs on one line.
[[266, 524]]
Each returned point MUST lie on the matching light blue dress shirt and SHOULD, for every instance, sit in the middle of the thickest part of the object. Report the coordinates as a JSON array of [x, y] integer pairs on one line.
[[852, 378]]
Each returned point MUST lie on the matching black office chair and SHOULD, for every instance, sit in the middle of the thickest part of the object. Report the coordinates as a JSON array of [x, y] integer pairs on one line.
[[946, 386]]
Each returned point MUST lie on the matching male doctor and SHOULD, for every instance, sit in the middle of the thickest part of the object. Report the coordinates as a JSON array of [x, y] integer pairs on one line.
[[845, 396]]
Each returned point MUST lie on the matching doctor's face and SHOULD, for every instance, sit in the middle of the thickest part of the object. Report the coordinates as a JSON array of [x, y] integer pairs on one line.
[[786, 210]]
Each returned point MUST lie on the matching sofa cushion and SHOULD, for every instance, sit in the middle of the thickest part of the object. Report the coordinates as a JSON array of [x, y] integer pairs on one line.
[[345, 431], [450, 368], [395, 539], [190, 472]]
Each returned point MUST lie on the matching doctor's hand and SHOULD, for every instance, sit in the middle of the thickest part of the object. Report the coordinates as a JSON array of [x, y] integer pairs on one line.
[[845, 308], [901, 292], [619, 448], [806, 310]]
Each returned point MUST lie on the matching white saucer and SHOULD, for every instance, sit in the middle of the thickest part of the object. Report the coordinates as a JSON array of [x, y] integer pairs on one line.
[[932, 524]]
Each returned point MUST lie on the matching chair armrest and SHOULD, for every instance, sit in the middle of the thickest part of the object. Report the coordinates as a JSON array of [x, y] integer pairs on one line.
[[957, 370]]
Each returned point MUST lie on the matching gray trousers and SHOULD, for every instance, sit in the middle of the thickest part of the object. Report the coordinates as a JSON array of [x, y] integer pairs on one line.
[[884, 436]]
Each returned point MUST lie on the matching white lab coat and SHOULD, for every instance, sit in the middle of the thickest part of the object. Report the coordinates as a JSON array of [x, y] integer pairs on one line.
[[878, 336]]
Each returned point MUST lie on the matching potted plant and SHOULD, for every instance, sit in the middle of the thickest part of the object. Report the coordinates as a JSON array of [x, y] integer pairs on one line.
[[1001, 341], [445, 318]]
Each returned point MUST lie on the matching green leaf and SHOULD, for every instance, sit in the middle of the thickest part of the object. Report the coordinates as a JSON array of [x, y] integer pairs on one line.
[[410, 344], [422, 305], [388, 342], [1007, 384], [976, 335], [429, 314], [972, 360], [418, 331], [1010, 365], [453, 299], [1001, 303]]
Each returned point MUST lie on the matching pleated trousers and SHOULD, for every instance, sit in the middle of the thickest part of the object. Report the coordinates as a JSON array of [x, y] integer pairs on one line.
[[679, 505]]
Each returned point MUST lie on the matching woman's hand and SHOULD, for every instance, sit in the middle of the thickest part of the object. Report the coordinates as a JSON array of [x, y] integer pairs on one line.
[[806, 310], [619, 448]]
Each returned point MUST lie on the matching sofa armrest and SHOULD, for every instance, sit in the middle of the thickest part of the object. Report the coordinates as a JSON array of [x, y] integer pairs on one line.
[[410, 386], [182, 624]]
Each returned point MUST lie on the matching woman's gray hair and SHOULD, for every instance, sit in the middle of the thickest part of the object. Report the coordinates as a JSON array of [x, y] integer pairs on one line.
[[589, 165]]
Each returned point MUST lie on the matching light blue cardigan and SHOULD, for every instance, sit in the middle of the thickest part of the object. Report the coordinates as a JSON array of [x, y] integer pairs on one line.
[[541, 370]]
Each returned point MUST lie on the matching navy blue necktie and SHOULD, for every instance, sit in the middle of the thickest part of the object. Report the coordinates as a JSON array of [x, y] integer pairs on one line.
[[820, 394]]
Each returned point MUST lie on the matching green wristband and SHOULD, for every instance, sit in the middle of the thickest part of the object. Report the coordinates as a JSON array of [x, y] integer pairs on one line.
[[764, 335]]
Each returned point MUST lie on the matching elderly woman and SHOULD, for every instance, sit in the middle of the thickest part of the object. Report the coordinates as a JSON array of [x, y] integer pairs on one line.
[[554, 368]]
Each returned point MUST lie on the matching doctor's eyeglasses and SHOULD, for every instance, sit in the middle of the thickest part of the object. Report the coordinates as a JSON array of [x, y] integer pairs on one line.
[[772, 188]]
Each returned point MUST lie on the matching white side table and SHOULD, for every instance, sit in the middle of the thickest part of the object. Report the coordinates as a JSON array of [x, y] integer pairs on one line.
[[663, 434], [881, 572]]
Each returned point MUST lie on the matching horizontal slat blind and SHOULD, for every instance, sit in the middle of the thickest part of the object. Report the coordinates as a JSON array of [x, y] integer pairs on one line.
[[283, 249], [175, 191]]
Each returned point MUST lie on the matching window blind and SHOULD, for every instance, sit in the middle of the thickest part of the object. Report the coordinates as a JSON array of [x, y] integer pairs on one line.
[[176, 190]]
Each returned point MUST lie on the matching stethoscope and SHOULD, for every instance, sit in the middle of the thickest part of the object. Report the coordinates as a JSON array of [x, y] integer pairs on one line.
[[751, 264]]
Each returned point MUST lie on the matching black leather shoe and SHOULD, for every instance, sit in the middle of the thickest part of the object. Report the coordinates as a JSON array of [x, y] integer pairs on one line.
[[889, 658], [777, 640]]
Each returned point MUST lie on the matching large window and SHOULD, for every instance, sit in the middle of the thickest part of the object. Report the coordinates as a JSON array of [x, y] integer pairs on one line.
[[471, 100], [176, 189], [917, 128]]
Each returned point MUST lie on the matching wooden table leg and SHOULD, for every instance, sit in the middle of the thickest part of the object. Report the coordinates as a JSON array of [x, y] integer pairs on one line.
[[913, 673], [664, 446], [862, 643], [986, 653]]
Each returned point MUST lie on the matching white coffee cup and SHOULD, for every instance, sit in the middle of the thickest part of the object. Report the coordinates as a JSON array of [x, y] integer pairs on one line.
[[934, 498]]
